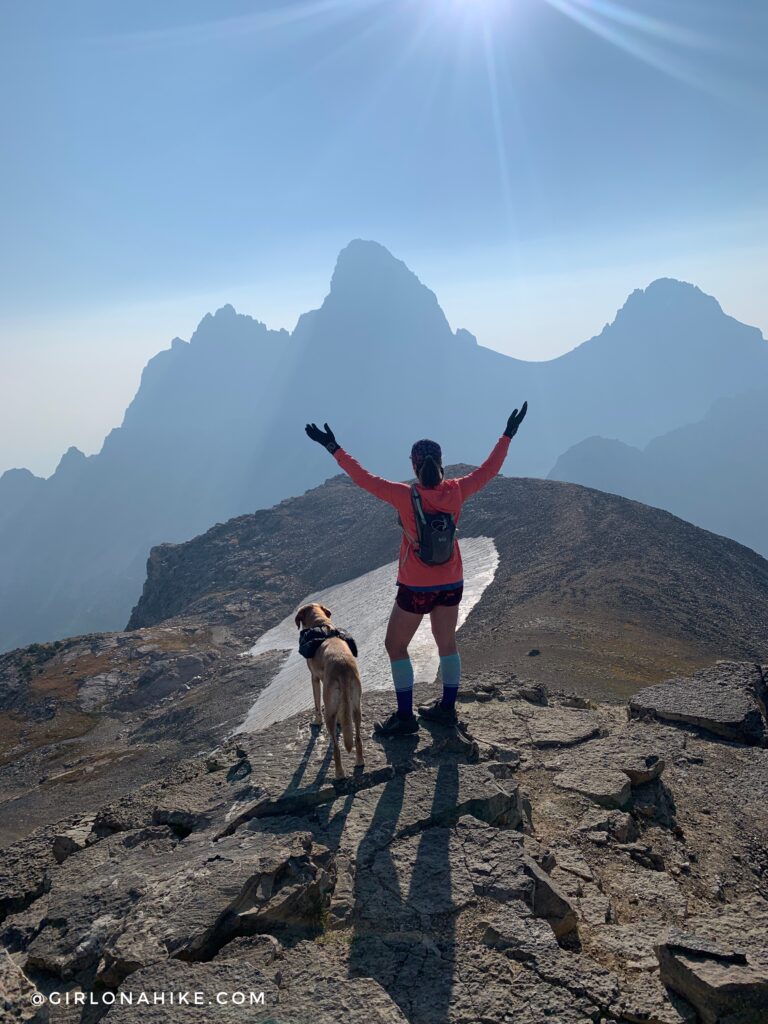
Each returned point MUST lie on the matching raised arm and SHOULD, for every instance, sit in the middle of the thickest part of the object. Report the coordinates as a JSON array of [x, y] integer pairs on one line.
[[478, 478], [387, 490]]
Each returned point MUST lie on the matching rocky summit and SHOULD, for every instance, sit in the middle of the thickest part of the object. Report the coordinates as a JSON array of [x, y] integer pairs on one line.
[[549, 859], [589, 844], [615, 597]]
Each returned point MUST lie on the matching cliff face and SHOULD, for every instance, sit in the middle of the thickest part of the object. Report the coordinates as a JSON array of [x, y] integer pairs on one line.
[[546, 860]]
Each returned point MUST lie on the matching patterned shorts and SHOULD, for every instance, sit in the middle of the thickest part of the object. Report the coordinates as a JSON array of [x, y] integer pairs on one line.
[[421, 602]]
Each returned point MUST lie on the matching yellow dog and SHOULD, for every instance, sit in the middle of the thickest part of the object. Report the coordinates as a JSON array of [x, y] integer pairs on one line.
[[335, 668]]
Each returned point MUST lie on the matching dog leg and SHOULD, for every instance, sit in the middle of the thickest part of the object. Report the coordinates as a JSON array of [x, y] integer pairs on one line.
[[330, 722], [358, 741], [316, 694]]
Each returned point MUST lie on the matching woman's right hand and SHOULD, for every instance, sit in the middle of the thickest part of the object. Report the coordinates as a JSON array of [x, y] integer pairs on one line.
[[323, 437]]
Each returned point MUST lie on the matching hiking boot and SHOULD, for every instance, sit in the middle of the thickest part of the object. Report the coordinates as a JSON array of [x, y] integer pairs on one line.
[[435, 712], [396, 726]]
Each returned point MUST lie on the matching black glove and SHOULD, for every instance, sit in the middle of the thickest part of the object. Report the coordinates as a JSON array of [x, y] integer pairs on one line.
[[323, 437], [514, 420]]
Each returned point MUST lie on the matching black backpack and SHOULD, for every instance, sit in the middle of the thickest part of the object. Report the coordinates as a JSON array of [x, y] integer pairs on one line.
[[436, 532]]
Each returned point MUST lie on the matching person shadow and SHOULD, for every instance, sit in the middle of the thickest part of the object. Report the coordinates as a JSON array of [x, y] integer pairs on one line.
[[404, 928]]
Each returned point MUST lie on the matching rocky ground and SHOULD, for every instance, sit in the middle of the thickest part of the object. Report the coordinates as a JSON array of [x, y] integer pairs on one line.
[[550, 860], [96, 716]]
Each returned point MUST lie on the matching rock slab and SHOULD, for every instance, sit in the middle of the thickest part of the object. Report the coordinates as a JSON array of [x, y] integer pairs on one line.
[[722, 983], [727, 700]]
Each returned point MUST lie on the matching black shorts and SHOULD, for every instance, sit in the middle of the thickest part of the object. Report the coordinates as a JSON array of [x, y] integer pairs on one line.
[[421, 602]]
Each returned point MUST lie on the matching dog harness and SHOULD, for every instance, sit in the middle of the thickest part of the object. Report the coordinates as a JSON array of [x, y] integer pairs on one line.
[[311, 639]]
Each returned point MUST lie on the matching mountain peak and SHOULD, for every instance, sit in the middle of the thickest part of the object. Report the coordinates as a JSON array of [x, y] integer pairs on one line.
[[18, 474], [363, 264], [375, 295], [667, 296], [226, 324], [71, 458]]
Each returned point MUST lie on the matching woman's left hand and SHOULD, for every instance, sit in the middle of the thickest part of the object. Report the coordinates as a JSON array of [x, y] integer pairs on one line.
[[515, 420]]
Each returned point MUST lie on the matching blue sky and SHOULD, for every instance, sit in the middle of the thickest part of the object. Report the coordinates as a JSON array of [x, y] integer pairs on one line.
[[532, 160]]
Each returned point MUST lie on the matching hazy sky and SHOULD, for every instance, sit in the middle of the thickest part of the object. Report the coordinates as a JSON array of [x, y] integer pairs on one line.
[[532, 160]]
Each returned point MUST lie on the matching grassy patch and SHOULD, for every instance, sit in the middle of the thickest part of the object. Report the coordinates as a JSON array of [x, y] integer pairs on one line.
[[66, 724], [174, 640], [61, 679], [10, 733]]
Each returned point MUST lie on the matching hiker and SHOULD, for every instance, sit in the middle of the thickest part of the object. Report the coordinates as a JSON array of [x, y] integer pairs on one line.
[[429, 578]]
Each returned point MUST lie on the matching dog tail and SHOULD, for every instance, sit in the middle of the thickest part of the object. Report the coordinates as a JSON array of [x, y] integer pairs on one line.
[[345, 716]]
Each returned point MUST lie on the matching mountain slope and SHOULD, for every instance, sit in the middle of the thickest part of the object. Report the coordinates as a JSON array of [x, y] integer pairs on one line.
[[614, 595], [711, 472], [215, 429]]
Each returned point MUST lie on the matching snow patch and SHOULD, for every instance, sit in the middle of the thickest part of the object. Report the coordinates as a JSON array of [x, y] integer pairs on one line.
[[361, 606]]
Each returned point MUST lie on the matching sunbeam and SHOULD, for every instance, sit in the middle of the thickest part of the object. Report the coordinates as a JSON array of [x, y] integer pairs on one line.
[[283, 15], [629, 30], [498, 127]]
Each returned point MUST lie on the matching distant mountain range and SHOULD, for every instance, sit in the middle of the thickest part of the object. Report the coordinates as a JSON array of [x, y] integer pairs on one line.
[[216, 427], [713, 472]]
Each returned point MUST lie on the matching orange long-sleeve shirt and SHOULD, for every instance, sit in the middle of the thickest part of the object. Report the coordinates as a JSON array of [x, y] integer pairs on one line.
[[448, 496]]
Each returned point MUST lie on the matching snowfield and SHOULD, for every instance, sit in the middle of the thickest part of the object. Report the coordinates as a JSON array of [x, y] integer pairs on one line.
[[362, 607]]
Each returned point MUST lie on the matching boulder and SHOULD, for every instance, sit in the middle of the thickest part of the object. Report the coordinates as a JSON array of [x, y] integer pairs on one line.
[[24, 868], [447, 983], [604, 786], [721, 982], [617, 824], [149, 898], [631, 945], [550, 903], [562, 727], [415, 882], [726, 701], [570, 859], [72, 838], [503, 867]]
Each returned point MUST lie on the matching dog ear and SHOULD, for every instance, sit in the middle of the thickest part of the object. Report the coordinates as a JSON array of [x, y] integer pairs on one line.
[[324, 610], [299, 620]]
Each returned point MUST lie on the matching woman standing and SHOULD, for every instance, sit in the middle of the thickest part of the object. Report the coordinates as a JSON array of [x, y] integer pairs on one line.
[[430, 577]]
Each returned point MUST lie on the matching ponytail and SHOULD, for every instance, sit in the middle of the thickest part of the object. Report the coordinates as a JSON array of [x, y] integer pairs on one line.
[[430, 472]]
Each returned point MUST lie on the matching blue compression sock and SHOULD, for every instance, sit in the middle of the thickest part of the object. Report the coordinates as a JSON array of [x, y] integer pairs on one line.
[[402, 674], [450, 673]]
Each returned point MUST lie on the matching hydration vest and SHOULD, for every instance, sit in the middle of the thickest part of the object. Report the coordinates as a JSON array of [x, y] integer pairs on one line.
[[436, 532]]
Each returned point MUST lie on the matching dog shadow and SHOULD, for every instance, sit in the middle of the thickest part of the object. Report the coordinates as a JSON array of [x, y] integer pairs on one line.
[[294, 782]]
